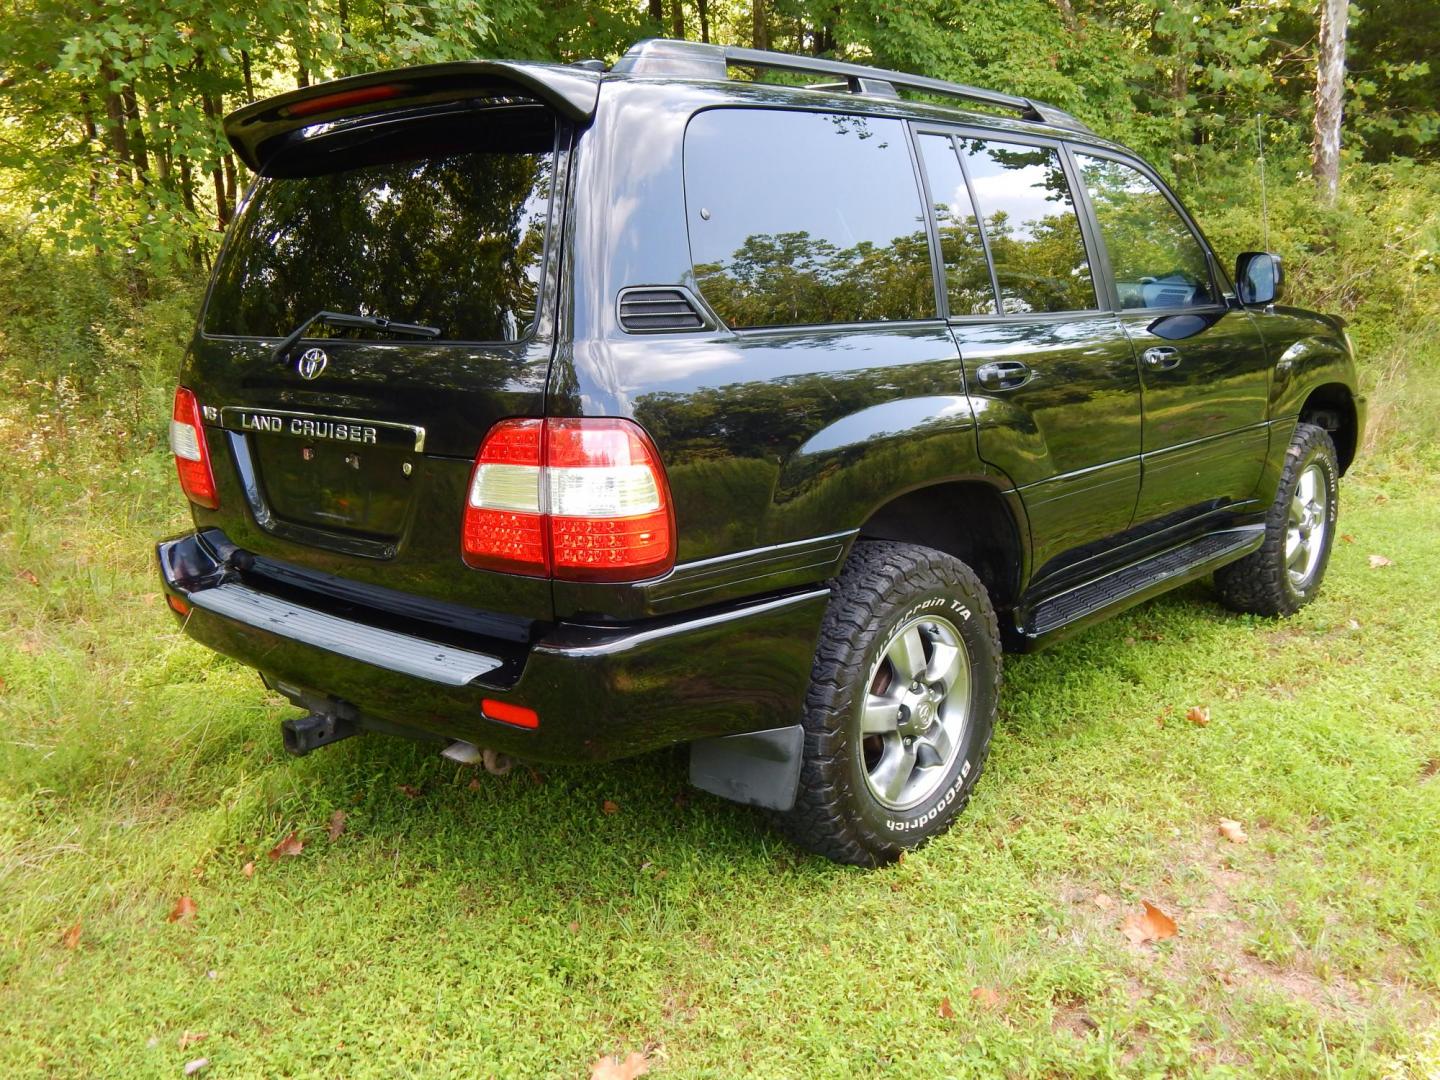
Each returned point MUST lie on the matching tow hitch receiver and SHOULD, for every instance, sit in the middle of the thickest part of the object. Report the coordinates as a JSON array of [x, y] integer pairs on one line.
[[311, 732]]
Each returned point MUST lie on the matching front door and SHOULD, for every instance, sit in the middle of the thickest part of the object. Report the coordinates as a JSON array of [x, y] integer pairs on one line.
[[1203, 366], [1051, 375]]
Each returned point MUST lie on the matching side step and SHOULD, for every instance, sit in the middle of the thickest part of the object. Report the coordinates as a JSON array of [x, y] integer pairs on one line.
[[1139, 581]]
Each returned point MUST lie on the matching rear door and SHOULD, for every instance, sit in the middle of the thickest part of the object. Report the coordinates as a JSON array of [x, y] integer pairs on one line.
[[1050, 372], [1203, 365], [350, 452]]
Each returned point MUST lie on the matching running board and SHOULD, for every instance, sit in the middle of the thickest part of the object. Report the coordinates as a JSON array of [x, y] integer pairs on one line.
[[1139, 581]]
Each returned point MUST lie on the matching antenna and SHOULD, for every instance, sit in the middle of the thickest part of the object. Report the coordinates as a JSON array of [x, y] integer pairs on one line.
[[1264, 202]]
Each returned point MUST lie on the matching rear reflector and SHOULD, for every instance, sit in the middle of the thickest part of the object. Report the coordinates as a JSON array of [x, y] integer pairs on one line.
[[506, 713], [192, 457], [180, 607], [574, 498], [344, 100]]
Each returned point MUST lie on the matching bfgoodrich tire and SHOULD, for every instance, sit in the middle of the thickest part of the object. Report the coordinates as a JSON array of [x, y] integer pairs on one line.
[[901, 705], [1285, 573]]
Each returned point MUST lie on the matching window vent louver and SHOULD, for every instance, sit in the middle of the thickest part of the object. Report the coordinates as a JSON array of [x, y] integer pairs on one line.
[[651, 311]]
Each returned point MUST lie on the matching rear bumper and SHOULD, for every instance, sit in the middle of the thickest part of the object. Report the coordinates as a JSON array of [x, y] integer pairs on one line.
[[601, 692]]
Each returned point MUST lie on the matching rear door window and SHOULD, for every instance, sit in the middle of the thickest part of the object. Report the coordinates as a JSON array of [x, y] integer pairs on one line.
[[1030, 225], [1156, 260], [799, 218], [440, 222], [967, 274]]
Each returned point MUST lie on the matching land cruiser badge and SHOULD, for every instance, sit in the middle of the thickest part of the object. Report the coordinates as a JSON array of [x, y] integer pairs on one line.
[[311, 363]]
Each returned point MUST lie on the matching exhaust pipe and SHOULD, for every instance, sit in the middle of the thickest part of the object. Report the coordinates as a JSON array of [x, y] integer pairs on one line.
[[464, 753]]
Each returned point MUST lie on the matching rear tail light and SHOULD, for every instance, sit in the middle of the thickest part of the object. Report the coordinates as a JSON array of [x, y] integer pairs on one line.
[[192, 458], [573, 498]]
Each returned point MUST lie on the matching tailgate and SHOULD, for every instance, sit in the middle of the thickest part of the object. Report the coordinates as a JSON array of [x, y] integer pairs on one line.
[[349, 451]]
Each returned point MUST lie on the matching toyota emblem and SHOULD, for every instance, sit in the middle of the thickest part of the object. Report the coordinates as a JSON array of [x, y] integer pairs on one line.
[[311, 363]]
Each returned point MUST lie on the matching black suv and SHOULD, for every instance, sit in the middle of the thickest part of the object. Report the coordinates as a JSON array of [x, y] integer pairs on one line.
[[567, 413]]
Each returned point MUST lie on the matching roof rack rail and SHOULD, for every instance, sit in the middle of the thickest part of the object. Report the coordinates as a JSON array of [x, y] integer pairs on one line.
[[697, 60]]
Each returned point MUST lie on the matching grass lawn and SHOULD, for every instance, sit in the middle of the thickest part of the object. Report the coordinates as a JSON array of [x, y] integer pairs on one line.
[[467, 925]]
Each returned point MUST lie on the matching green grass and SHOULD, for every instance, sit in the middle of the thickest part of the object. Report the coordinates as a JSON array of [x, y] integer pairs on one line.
[[512, 928]]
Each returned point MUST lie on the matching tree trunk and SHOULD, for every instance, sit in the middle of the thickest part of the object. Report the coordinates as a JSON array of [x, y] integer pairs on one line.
[[139, 152], [211, 105], [703, 7], [677, 20], [115, 122], [759, 27], [1329, 98], [1067, 14], [657, 13], [246, 73]]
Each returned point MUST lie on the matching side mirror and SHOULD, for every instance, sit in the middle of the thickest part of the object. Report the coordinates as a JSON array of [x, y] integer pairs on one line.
[[1259, 276]]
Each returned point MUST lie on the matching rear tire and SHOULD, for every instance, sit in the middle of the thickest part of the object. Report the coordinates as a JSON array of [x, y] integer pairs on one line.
[[1286, 572], [901, 705]]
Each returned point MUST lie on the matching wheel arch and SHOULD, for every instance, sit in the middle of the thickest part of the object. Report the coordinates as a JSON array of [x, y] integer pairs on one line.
[[971, 520], [1332, 407]]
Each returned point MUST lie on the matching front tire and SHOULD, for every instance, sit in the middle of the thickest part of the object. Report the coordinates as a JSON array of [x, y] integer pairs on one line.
[[901, 705], [1286, 572]]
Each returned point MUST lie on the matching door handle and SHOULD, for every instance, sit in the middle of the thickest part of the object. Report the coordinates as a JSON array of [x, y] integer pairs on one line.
[[1003, 374], [1162, 357]]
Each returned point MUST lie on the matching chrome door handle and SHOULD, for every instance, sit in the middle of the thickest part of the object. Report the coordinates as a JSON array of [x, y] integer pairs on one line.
[[1003, 374], [1161, 357]]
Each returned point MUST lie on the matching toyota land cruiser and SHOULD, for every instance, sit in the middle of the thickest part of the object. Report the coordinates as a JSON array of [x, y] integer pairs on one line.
[[570, 412]]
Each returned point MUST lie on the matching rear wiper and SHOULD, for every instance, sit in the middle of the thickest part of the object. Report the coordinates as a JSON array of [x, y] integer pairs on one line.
[[368, 322]]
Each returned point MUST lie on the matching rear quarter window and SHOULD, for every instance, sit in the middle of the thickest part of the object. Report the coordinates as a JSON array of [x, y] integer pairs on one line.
[[802, 218], [439, 222]]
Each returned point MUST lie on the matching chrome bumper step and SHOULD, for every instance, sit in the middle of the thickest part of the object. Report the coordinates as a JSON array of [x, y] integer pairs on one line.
[[370, 644]]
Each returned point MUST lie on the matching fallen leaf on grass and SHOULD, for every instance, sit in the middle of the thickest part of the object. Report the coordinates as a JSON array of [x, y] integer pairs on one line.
[[1150, 925], [947, 1011], [292, 845], [410, 791], [609, 806], [184, 909], [1377, 561], [474, 784], [1233, 831], [27, 576], [1102, 901], [536, 775], [190, 1038], [574, 927], [610, 1067], [337, 825], [1199, 715], [193, 1067], [72, 936], [1430, 768], [248, 869], [987, 997], [1347, 538]]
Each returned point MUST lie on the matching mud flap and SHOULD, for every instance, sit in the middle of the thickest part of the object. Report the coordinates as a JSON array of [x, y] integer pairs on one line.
[[758, 768]]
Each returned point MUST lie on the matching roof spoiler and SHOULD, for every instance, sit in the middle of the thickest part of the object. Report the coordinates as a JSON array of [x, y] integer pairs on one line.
[[258, 131]]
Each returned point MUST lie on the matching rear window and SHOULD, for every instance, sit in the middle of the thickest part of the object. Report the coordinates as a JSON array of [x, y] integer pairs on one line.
[[439, 221]]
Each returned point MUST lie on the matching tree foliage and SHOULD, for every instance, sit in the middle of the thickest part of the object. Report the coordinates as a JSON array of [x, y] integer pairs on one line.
[[110, 111]]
